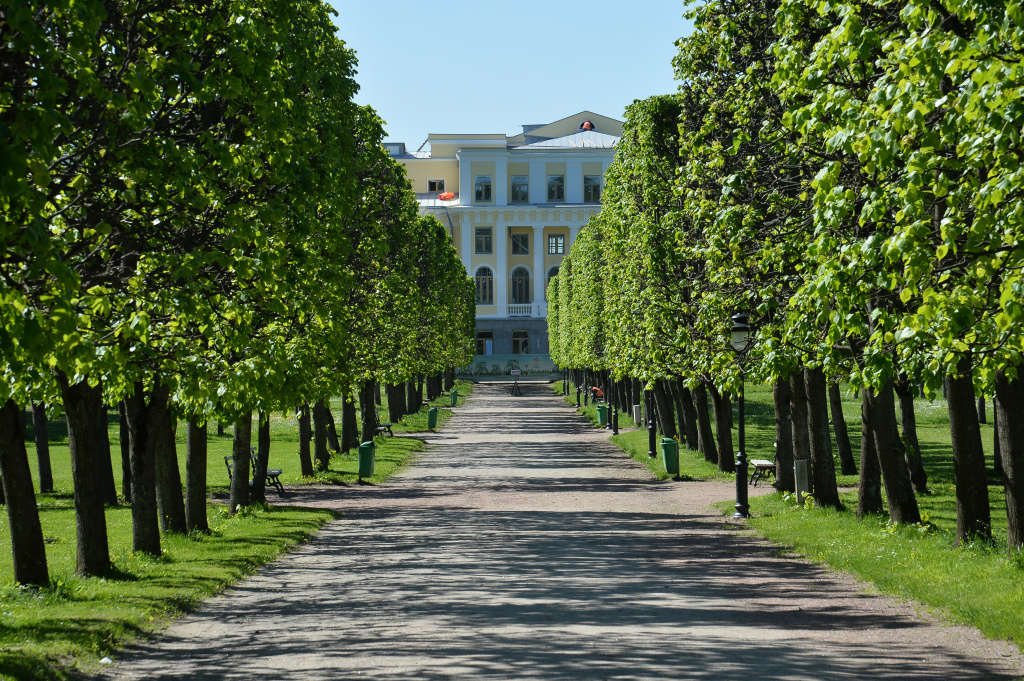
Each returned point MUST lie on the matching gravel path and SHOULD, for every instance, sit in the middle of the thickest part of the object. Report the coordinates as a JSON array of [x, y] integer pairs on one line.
[[523, 545]]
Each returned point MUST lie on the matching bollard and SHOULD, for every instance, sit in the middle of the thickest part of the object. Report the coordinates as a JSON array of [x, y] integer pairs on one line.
[[637, 417], [432, 418], [367, 459], [455, 396], [670, 455]]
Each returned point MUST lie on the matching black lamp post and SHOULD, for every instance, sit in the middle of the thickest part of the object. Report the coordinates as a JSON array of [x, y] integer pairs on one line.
[[652, 445], [578, 389], [609, 402], [740, 341]]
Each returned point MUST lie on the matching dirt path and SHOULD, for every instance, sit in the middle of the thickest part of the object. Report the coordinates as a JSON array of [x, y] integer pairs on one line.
[[523, 545]]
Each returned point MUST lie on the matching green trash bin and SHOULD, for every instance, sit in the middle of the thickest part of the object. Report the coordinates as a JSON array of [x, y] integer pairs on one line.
[[670, 455], [455, 396], [602, 414], [367, 459], [432, 418]]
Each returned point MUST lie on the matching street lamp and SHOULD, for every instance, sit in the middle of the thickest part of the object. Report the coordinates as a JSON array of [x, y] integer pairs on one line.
[[740, 342]]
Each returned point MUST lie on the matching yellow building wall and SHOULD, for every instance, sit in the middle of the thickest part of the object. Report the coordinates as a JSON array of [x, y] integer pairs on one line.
[[484, 310], [592, 168], [421, 170]]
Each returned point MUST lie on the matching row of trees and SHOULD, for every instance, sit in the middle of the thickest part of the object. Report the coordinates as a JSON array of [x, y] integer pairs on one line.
[[197, 221], [848, 174]]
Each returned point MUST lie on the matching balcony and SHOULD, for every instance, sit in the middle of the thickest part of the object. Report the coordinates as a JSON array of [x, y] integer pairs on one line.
[[538, 310]]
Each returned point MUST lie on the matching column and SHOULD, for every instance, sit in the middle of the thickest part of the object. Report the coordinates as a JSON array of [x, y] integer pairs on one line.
[[538, 182], [465, 181], [468, 242], [501, 182], [574, 181], [539, 275], [501, 268]]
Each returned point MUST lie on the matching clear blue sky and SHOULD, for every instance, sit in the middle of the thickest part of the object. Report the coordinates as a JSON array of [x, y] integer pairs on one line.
[[476, 67]]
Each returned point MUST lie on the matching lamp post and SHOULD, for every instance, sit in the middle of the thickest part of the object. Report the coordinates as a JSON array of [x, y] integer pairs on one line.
[[652, 445], [740, 341], [609, 391]]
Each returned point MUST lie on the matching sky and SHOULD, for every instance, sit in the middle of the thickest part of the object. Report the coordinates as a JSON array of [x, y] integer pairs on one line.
[[487, 67]]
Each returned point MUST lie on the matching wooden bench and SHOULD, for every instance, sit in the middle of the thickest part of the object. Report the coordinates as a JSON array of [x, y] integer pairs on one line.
[[272, 477], [763, 469], [385, 428]]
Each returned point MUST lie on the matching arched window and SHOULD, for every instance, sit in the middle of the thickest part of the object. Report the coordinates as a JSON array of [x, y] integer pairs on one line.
[[484, 286], [552, 273], [521, 286]]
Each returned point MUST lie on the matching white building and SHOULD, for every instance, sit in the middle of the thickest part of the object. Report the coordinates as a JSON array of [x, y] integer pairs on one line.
[[514, 206]]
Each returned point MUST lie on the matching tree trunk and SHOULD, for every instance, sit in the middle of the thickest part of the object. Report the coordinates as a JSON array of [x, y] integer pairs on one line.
[[145, 518], [220, 428], [322, 456], [81, 404], [27, 546], [798, 417], [377, 398], [785, 477], [368, 411], [240, 446], [823, 466], [898, 492], [663, 403], [1009, 408], [195, 476], [106, 470], [332, 431], [672, 388], [305, 460], [258, 489], [396, 401], [705, 437], [689, 415], [981, 410], [847, 464], [349, 424], [169, 499], [869, 489], [973, 515], [911, 447], [126, 453], [723, 419], [449, 380], [42, 448]]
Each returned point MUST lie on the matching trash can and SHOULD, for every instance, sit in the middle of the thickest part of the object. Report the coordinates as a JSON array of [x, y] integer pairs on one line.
[[455, 396], [367, 459], [670, 455], [602, 414], [432, 418]]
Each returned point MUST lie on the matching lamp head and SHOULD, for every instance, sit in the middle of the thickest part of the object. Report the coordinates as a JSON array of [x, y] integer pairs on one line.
[[740, 333]]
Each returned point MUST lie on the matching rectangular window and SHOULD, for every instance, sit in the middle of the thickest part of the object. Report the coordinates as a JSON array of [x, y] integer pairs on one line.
[[483, 187], [520, 189], [485, 343], [483, 240], [556, 244], [520, 244], [435, 185], [520, 342], [591, 189], [556, 187]]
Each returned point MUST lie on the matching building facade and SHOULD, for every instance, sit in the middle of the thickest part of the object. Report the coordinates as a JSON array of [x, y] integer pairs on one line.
[[513, 206]]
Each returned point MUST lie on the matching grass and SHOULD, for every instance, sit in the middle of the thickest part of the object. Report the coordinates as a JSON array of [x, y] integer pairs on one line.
[[977, 584], [62, 631]]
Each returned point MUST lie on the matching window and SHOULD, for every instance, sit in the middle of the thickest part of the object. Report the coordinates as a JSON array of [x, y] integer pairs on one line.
[[521, 286], [520, 244], [483, 187], [520, 342], [520, 189], [591, 189], [556, 187], [435, 185], [552, 273], [485, 343], [556, 244], [484, 288], [483, 239]]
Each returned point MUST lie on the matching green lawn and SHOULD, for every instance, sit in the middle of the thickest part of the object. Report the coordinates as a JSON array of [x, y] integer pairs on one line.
[[64, 630], [977, 584]]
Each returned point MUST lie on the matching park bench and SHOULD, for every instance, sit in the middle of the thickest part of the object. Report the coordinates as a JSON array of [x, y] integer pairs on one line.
[[763, 469], [272, 476], [384, 428]]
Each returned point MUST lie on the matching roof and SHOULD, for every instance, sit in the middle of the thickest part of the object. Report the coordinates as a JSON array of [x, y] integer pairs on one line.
[[588, 139]]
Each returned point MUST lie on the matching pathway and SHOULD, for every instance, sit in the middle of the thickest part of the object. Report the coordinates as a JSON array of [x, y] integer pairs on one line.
[[523, 545]]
